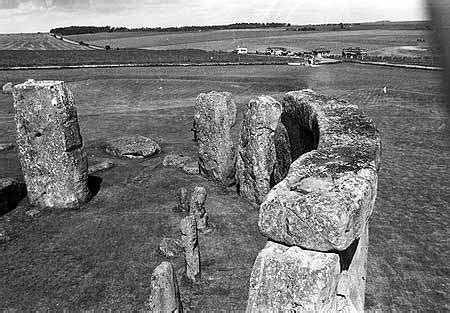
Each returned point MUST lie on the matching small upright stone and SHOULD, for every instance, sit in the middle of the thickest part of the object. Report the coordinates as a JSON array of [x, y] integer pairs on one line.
[[197, 207], [165, 295], [50, 147], [189, 237], [215, 115], [183, 201]]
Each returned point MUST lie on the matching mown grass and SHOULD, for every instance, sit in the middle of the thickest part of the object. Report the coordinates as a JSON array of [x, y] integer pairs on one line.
[[14, 58]]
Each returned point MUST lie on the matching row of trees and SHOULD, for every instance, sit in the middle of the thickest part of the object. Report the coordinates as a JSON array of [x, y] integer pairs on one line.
[[76, 30]]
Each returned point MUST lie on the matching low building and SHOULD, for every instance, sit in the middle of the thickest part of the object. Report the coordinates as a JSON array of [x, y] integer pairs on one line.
[[321, 52], [242, 51], [354, 53]]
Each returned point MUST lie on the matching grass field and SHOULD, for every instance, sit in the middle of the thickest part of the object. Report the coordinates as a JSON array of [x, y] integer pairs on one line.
[[101, 257], [35, 42], [373, 39], [9, 58]]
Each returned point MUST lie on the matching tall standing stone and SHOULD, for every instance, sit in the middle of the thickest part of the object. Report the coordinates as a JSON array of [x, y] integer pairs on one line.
[[257, 161], [197, 207], [215, 115], [290, 279], [50, 147], [189, 238], [165, 295]]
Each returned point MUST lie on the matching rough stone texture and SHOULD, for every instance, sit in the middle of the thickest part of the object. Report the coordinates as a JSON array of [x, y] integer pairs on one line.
[[183, 200], [175, 160], [189, 238], [11, 193], [50, 146], [215, 115], [328, 195], [132, 147], [197, 207], [102, 166], [258, 167], [165, 295], [352, 283], [171, 247], [289, 279], [7, 88], [191, 168], [6, 146]]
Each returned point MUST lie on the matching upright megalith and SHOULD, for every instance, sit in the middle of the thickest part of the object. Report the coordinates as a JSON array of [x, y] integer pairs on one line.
[[263, 153], [197, 207], [165, 295], [50, 147], [215, 115], [183, 200], [189, 238]]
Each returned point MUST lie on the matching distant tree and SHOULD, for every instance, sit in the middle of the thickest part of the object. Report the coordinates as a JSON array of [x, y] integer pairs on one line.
[[341, 25]]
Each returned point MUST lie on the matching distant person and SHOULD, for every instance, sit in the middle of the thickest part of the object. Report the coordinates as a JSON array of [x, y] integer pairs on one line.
[[385, 90]]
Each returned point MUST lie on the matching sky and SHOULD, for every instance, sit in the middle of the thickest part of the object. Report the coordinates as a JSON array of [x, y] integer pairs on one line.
[[42, 15]]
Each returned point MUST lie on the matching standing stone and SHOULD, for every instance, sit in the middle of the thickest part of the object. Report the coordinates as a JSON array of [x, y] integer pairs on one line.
[[257, 168], [197, 207], [215, 115], [290, 279], [352, 284], [50, 147], [165, 295], [183, 201], [189, 238]]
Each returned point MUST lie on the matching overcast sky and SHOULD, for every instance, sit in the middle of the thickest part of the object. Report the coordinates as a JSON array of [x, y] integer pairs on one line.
[[42, 15]]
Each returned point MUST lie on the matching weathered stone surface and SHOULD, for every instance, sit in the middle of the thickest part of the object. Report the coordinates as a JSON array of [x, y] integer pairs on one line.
[[102, 166], [32, 212], [6, 147], [165, 295], [189, 238], [7, 88], [11, 193], [175, 160], [352, 283], [132, 147], [50, 147], [191, 168], [257, 167], [215, 115], [291, 279], [328, 195], [183, 200], [197, 207], [171, 247]]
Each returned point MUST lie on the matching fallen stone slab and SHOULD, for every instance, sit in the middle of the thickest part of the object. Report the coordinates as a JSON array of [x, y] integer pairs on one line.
[[165, 294], [49, 144], [171, 247], [132, 147], [7, 88], [290, 279], [257, 161], [11, 193], [191, 168], [102, 166], [326, 199], [6, 147], [215, 115]]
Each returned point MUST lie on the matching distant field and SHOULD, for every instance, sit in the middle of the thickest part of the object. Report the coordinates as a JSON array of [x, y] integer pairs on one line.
[[35, 42], [14, 58], [375, 40]]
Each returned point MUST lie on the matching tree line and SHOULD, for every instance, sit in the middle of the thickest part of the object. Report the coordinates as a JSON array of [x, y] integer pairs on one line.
[[76, 30]]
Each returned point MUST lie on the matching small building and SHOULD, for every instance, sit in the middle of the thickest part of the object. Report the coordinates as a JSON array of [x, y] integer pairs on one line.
[[242, 51], [276, 51], [354, 53], [321, 52]]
